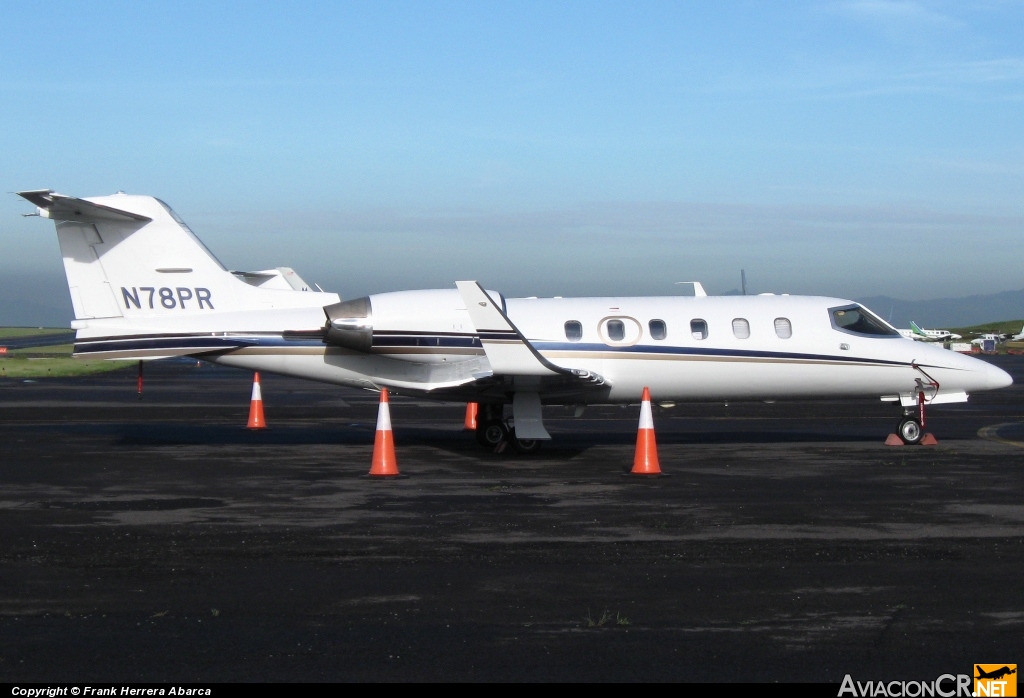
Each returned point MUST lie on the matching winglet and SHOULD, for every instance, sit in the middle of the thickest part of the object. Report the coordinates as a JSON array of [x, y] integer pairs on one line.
[[505, 346]]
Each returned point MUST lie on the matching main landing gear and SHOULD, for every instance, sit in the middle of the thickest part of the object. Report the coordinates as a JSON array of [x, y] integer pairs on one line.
[[496, 434]]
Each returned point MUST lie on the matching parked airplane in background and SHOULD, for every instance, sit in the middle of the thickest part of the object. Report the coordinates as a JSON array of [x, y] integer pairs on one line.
[[144, 287], [980, 341], [916, 333]]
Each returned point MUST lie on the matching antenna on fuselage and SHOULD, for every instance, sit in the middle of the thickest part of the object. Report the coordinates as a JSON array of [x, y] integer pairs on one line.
[[743, 280]]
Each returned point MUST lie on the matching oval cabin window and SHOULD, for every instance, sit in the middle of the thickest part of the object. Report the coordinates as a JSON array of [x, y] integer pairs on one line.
[[620, 331], [616, 330], [741, 328], [699, 329], [783, 328], [658, 329], [573, 331]]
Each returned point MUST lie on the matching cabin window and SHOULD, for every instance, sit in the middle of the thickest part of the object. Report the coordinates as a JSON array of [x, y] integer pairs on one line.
[[620, 331], [741, 328], [573, 330], [658, 329], [616, 330], [699, 329], [783, 328], [855, 319]]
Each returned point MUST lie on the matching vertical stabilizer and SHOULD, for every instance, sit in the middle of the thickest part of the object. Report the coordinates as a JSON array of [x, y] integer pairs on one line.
[[132, 257]]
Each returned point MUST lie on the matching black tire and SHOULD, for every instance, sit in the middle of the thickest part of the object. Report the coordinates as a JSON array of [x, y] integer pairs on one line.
[[524, 446], [491, 434], [910, 431]]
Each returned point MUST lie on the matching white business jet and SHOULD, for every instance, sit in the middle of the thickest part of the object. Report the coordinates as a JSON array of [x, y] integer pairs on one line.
[[144, 287]]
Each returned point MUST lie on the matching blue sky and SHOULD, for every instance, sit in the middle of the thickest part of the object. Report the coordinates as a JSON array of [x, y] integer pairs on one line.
[[847, 148]]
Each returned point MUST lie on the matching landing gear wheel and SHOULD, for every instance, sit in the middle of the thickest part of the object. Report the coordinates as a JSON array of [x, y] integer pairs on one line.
[[524, 446], [909, 430], [491, 434]]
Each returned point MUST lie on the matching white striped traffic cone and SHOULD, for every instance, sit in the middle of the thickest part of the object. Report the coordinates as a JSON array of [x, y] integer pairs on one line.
[[645, 460], [384, 462], [256, 420]]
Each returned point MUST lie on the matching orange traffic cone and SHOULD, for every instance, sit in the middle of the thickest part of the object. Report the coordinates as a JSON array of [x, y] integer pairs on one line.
[[472, 408], [256, 420], [645, 461], [384, 462]]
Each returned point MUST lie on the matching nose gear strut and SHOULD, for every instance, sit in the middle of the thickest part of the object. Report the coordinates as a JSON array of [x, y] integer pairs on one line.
[[911, 427]]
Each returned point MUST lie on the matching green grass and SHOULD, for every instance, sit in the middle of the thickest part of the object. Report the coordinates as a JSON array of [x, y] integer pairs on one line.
[[1001, 327], [604, 619], [56, 349], [53, 362], [16, 332], [48, 362], [61, 367]]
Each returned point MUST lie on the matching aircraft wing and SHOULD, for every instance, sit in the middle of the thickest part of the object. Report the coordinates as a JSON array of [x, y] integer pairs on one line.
[[508, 351]]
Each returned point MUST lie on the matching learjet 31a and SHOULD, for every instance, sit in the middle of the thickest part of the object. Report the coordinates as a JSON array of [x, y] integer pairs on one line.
[[144, 287]]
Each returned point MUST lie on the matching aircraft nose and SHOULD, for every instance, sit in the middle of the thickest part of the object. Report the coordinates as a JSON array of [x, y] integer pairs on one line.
[[996, 377]]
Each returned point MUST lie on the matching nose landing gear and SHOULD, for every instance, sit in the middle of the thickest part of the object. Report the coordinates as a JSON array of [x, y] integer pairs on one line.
[[909, 430]]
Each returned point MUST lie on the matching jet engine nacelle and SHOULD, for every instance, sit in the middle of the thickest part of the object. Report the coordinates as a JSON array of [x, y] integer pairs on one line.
[[405, 325], [350, 324]]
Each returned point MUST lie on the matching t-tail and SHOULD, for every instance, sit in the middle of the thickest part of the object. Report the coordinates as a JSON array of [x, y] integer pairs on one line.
[[144, 286]]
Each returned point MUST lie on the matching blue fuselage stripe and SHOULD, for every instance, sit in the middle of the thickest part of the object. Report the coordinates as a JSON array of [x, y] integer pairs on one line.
[[648, 349], [204, 343]]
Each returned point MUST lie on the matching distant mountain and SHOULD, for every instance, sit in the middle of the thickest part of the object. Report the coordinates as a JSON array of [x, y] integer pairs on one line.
[[949, 312]]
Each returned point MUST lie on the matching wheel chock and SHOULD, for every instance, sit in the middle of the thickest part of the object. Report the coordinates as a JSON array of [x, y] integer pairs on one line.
[[893, 440], [929, 440]]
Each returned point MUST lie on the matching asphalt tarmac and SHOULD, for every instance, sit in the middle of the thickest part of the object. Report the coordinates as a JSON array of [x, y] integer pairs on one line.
[[158, 540]]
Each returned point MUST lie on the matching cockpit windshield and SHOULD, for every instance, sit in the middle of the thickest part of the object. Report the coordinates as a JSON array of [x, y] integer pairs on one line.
[[856, 319]]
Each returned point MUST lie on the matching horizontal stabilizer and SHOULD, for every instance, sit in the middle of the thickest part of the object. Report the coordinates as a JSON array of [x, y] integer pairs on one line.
[[66, 208]]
